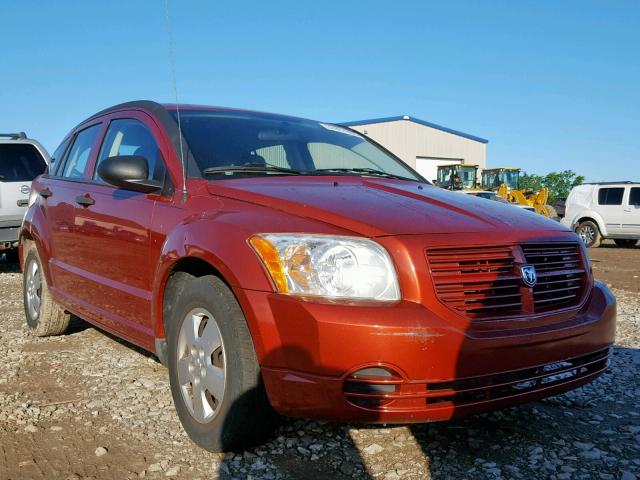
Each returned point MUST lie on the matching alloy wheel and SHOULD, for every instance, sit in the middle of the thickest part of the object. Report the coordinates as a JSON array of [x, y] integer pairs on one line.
[[34, 289], [201, 365], [587, 234]]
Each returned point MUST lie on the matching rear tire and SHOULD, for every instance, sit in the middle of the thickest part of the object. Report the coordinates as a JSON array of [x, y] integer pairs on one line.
[[589, 232], [625, 243], [45, 317], [213, 369]]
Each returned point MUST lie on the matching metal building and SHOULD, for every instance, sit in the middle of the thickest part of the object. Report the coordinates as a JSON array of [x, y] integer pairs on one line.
[[424, 145]]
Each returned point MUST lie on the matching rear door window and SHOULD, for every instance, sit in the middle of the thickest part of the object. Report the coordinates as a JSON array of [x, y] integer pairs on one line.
[[80, 152], [610, 196], [20, 162], [634, 197]]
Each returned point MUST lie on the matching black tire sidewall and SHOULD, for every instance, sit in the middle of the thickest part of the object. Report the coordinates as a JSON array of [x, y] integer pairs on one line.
[[218, 434]]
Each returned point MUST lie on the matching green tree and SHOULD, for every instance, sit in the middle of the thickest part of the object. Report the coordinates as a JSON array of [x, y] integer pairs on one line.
[[558, 183]]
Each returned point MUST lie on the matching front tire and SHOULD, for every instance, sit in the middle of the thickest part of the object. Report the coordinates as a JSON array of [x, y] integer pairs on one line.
[[45, 317], [625, 243], [589, 232], [213, 369]]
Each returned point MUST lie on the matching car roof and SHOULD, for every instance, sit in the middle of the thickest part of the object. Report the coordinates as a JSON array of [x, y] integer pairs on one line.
[[626, 182], [154, 108]]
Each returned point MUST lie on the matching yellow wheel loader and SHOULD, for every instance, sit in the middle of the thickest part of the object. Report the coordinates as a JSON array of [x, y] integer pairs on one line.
[[505, 182], [457, 176]]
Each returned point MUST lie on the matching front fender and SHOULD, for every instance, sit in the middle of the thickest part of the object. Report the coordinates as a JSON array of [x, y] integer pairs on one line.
[[219, 236]]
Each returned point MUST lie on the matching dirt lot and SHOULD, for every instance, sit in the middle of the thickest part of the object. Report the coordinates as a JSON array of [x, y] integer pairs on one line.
[[618, 267], [86, 405]]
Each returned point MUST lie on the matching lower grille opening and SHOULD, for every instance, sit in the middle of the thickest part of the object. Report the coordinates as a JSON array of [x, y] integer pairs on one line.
[[503, 385], [370, 387]]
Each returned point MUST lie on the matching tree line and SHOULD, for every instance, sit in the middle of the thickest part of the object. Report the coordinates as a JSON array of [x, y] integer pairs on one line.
[[558, 183]]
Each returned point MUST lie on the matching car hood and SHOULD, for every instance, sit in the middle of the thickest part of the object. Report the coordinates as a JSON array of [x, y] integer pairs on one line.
[[378, 207]]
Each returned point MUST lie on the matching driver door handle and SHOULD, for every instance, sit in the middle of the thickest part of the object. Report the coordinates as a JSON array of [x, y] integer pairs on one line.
[[85, 200]]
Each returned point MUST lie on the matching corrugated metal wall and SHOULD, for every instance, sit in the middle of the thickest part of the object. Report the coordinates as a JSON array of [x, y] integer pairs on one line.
[[409, 140]]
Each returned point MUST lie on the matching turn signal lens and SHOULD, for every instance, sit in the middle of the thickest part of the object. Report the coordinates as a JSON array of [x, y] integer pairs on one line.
[[271, 260]]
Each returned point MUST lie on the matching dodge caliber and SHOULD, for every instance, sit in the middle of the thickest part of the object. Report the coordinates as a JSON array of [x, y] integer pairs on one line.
[[279, 265]]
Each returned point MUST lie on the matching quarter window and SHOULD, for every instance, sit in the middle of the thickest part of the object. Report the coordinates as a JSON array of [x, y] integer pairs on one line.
[[131, 137], [57, 156], [634, 197], [610, 196], [80, 152]]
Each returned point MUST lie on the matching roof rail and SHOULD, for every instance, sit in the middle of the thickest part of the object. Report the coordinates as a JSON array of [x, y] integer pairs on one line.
[[624, 182], [14, 136]]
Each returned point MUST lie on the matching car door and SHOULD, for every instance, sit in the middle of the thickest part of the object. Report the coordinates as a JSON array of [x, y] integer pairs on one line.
[[113, 230], [631, 221], [610, 208], [60, 191]]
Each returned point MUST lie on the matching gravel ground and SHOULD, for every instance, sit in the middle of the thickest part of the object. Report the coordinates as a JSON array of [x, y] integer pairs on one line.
[[87, 405]]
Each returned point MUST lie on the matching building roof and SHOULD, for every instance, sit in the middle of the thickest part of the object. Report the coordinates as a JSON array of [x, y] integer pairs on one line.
[[414, 120]]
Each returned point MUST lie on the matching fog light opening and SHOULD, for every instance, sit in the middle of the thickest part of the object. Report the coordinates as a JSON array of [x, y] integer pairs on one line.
[[372, 387]]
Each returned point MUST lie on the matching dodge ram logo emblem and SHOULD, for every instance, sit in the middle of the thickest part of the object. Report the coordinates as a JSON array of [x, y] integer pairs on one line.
[[528, 274]]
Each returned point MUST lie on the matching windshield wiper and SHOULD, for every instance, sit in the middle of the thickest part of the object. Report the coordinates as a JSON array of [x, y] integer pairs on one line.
[[366, 171], [250, 168]]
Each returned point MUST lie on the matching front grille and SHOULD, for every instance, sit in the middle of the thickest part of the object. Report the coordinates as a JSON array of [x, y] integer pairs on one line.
[[560, 274], [485, 282]]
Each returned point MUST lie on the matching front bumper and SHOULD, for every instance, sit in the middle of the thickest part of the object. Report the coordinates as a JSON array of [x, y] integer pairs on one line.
[[311, 351]]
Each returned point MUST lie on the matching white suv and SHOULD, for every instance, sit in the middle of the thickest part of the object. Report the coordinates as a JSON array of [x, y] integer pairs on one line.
[[605, 210], [21, 160]]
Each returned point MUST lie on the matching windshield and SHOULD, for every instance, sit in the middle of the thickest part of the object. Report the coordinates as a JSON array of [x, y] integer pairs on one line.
[[468, 177], [494, 178], [510, 177], [20, 162], [236, 139]]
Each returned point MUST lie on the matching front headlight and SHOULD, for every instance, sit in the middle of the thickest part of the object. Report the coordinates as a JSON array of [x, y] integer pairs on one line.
[[327, 266]]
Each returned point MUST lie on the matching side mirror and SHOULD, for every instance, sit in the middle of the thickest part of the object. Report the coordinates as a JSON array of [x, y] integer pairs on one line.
[[129, 172]]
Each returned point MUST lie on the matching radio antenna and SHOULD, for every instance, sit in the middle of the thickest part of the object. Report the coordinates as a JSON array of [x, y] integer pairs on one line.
[[172, 63]]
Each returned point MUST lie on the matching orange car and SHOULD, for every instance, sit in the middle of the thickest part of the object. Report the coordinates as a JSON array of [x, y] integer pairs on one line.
[[282, 264]]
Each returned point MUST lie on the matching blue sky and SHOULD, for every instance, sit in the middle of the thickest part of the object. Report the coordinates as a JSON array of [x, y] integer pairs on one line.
[[552, 85]]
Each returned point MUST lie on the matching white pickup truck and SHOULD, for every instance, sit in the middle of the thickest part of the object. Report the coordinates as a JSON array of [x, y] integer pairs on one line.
[[21, 160]]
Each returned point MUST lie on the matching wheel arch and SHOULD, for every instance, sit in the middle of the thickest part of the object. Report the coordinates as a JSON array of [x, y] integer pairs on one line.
[[30, 235], [198, 262], [595, 218]]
